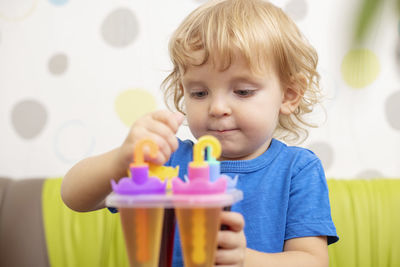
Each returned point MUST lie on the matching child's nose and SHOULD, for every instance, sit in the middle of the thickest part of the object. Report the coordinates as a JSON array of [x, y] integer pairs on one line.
[[219, 107]]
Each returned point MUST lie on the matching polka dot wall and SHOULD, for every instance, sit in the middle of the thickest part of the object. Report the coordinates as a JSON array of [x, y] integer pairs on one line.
[[74, 76]]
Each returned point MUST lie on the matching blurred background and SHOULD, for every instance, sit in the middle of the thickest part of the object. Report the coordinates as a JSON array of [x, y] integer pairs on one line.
[[74, 75]]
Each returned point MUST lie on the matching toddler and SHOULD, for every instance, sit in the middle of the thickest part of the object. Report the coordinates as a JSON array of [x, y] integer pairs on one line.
[[244, 73]]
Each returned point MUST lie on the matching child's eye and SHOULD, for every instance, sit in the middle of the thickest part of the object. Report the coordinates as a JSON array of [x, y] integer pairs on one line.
[[198, 94], [245, 92]]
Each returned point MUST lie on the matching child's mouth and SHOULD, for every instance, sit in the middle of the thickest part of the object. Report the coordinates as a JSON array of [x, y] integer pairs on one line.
[[224, 131]]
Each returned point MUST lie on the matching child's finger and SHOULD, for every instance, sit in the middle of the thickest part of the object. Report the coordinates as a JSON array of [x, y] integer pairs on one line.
[[233, 220], [162, 130], [225, 257], [173, 120], [167, 141], [227, 240]]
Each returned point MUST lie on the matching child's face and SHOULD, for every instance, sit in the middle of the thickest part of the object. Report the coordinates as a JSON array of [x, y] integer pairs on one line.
[[239, 108]]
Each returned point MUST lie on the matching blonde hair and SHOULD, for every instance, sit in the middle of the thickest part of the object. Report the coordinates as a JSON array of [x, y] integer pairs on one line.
[[261, 32]]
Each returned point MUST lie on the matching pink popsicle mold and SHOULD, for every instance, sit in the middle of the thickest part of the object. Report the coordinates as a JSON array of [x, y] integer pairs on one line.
[[199, 171]]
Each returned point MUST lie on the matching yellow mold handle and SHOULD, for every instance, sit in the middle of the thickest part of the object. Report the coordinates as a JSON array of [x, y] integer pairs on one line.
[[198, 150]]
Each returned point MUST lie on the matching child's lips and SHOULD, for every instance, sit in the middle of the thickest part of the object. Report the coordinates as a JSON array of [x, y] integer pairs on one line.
[[224, 131]]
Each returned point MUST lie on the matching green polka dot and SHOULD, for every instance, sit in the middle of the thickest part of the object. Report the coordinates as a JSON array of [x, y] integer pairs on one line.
[[360, 68], [132, 104]]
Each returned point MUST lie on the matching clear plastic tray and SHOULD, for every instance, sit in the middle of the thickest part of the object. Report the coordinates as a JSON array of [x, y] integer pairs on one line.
[[174, 201]]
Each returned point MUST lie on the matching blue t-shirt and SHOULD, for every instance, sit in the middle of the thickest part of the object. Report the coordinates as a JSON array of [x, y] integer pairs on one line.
[[285, 195]]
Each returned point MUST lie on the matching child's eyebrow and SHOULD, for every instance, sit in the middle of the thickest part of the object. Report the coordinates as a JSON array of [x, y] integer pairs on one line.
[[243, 79], [246, 79], [192, 83]]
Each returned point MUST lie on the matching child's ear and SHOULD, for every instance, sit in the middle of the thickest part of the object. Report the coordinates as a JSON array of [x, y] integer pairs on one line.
[[292, 95]]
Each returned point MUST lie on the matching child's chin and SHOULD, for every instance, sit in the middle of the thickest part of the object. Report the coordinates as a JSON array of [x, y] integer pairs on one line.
[[232, 155]]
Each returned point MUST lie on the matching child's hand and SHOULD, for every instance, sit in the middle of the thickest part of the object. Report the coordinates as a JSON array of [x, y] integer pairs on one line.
[[231, 242], [160, 126]]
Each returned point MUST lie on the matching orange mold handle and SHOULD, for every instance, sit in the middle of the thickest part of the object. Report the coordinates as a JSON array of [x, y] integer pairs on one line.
[[139, 168]]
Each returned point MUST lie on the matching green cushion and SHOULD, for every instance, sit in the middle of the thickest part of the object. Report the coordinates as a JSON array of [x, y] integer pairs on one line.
[[80, 239], [367, 218], [365, 212]]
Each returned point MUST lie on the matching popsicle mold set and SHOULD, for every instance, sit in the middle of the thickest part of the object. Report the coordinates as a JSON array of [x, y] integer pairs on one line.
[[150, 193]]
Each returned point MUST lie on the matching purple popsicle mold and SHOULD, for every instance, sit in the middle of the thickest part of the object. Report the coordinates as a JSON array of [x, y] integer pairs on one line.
[[139, 183]]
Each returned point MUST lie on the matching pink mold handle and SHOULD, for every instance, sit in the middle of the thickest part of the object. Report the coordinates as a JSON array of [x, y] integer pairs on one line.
[[199, 171], [140, 182]]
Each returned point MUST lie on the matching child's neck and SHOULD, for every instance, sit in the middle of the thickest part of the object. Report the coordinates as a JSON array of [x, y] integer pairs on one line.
[[256, 153]]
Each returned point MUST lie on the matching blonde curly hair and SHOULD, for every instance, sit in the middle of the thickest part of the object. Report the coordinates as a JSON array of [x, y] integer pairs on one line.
[[262, 33]]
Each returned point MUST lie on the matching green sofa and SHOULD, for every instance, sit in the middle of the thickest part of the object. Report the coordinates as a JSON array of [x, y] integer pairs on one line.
[[36, 229]]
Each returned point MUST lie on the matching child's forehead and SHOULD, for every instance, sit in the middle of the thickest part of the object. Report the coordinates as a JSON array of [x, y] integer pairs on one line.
[[223, 61]]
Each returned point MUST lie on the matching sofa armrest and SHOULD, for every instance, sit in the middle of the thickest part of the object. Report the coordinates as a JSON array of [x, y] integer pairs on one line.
[[22, 240]]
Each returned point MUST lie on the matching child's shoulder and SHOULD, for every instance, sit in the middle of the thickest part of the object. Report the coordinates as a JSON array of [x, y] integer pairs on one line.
[[300, 164], [295, 150], [299, 156]]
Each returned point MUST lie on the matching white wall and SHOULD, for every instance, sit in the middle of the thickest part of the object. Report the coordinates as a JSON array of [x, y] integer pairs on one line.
[[72, 73]]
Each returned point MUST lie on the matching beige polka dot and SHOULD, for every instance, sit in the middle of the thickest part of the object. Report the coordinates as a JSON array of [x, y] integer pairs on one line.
[[324, 151], [296, 9], [120, 28], [370, 174], [392, 109], [58, 64], [28, 118]]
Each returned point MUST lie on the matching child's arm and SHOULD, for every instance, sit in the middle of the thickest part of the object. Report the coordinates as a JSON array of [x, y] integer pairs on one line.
[[305, 251], [87, 184]]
